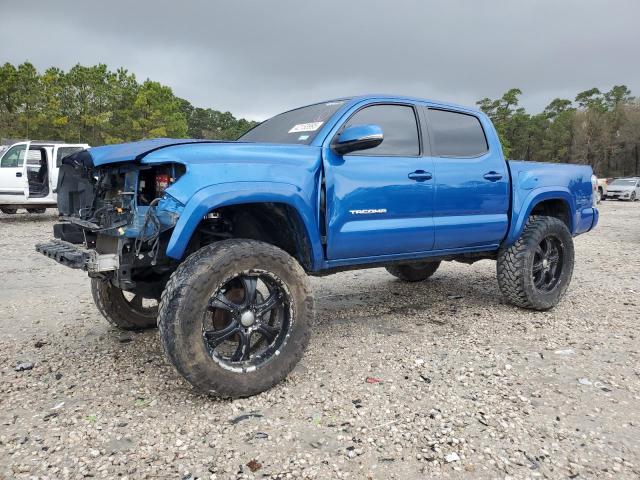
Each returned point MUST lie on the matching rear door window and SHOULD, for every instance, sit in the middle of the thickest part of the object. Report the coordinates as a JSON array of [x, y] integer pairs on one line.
[[399, 129], [456, 134], [65, 151], [34, 156]]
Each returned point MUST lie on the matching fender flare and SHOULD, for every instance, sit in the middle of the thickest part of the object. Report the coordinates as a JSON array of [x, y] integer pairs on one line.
[[520, 212], [237, 193]]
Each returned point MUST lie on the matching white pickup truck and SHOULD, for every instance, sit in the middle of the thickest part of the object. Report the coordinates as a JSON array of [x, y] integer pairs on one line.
[[29, 174]]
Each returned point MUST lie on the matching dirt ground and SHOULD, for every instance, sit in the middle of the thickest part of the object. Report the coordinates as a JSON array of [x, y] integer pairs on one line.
[[468, 386]]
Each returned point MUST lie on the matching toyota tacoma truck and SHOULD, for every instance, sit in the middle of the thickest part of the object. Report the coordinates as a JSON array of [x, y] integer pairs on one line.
[[212, 241]]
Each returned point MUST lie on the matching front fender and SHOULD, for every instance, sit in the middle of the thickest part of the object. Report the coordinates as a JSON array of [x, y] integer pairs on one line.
[[522, 207], [235, 193]]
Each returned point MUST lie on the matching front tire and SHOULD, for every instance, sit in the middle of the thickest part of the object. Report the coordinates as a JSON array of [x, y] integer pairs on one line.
[[8, 211], [235, 317], [122, 312], [413, 272], [536, 270], [36, 210]]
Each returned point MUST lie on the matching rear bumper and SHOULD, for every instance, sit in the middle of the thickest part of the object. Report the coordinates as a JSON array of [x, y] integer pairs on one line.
[[618, 195], [585, 220], [73, 256], [596, 217]]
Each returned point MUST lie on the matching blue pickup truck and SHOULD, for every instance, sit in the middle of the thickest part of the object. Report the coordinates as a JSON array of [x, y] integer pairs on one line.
[[213, 241]]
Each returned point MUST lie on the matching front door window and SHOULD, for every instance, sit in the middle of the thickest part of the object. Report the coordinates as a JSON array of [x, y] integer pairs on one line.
[[14, 157]]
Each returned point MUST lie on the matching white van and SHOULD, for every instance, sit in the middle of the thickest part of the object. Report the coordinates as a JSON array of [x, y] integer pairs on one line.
[[29, 174]]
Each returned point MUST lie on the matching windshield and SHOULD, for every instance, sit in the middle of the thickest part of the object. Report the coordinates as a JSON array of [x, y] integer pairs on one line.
[[623, 182], [299, 126]]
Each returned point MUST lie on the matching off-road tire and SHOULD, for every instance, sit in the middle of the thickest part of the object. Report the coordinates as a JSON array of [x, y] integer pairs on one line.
[[8, 211], [36, 210], [114, 306], [515, 265], [184, 304], [413, 272]]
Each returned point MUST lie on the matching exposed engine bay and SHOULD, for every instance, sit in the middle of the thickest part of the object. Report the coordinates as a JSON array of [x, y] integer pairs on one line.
[[114, 220]]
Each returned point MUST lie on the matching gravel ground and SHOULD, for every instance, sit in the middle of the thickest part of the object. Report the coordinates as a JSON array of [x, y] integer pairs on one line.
[[400, 381]]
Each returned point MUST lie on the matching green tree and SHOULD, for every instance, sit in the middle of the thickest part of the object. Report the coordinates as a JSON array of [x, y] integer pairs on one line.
[[9, 100], [156, 113], [95, 105], [28, 95], [558, 135], [213, 124]]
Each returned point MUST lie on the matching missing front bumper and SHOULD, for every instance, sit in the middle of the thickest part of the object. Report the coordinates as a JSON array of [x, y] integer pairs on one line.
[[74, 256]]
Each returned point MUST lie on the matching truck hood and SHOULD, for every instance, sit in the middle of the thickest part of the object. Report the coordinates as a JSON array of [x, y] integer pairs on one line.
[[213, 162], [200, 154], [135, 151], [207, 164]]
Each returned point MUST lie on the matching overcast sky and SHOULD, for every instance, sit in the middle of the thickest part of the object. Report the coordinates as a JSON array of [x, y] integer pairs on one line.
[[256, 58]]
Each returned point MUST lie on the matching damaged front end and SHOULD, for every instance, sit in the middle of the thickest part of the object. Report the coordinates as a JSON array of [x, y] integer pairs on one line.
[[115, 221]]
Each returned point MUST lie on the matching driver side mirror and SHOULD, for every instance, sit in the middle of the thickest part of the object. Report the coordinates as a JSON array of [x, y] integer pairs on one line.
[[358, 137]]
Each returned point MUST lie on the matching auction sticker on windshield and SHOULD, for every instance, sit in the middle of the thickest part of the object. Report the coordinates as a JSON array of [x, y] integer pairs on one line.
[[306, 127]]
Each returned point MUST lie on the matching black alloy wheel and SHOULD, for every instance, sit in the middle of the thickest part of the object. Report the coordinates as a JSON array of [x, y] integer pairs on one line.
[[536, 270], [235, 317], [249, 319], [547, 263]]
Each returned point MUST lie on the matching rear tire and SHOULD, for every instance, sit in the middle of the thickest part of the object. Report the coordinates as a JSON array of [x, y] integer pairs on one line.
[[211, 326], [36, 210], [413, 272], [536, 270], [8, 211], [118, 310]]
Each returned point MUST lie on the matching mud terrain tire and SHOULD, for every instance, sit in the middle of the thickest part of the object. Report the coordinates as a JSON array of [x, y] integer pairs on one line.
[[36, 210], [518, 264], [120, 312], [413, 272], [8, 211], [185, 309]]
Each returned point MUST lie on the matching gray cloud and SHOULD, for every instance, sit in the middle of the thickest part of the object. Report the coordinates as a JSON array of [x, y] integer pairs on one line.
[[256, 58]]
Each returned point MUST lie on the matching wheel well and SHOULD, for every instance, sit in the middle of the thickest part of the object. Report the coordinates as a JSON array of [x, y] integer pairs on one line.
[[554, 208], [278, 224]]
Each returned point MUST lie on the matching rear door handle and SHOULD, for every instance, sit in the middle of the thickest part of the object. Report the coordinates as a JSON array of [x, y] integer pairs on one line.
[[18, 174], [420, 176], [492, 176]]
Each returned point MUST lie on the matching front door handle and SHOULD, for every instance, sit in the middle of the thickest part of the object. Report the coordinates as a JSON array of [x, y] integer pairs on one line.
[[420, 176], [492, 176], [18, 174]]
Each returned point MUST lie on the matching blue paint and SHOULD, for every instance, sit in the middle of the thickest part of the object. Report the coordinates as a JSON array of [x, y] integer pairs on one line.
[[376, 211]]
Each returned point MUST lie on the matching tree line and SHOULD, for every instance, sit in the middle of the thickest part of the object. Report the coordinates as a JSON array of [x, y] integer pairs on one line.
[[98, 106], [601, 129]]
